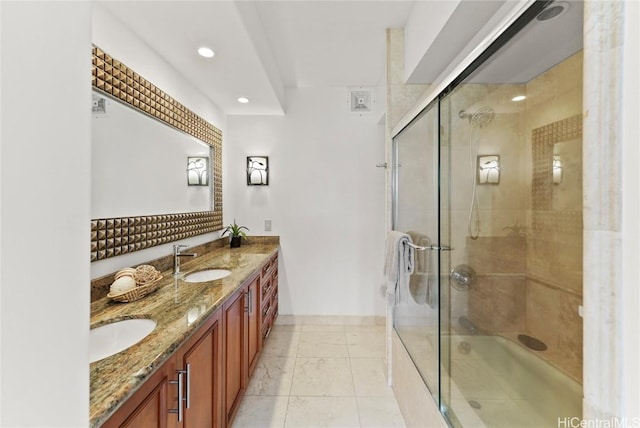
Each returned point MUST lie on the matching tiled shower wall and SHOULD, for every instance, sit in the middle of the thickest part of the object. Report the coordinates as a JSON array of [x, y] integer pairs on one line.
[[531, 280], [554, 239]]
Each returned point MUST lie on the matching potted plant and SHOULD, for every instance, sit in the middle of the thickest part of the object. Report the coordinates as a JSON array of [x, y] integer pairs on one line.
[[236, 232]]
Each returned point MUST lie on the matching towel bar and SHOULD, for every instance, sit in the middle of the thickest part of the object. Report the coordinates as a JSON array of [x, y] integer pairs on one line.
[[429, 247]]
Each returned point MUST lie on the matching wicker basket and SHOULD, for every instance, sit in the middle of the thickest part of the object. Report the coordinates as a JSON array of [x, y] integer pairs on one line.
[[136, 293]]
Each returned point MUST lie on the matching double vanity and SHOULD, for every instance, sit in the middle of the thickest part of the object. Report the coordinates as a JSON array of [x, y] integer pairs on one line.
[[201, 338]]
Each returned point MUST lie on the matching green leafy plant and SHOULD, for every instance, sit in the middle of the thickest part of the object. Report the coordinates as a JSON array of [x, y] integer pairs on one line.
[[234, 230]]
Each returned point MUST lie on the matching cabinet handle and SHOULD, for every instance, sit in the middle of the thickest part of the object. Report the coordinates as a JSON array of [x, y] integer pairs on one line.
[[179, 382], [250, 302], [246, 295], [188, 397]]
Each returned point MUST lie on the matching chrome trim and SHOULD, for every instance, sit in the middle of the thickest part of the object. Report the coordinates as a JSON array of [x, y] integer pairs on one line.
[[188, 395], [429, 247]]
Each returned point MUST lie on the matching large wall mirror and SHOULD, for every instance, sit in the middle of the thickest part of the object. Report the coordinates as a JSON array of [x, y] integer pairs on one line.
[[141, 141]]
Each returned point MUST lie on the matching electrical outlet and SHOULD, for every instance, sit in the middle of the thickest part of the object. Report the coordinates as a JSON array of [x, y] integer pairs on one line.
[[267, 225]]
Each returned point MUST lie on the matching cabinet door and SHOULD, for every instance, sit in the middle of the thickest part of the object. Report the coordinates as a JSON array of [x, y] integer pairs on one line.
[[235, 351], [254, 326], [146, 408], [202, 391]]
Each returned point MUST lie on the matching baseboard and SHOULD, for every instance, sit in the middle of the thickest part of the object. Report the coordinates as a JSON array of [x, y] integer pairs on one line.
[[329, 320]]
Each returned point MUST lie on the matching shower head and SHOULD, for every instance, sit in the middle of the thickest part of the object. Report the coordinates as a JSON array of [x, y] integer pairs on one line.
[[482, 117]]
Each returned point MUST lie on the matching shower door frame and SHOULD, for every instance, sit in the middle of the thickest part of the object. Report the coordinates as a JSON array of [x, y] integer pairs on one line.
[[436, 245], [511, 23]]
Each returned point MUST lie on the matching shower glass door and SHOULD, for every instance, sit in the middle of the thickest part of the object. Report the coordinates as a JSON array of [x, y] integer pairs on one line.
[[491, 174], [417, 314], [511, 210]]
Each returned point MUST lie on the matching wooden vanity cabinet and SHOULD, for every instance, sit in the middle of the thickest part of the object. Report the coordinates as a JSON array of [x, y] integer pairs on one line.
[[254, 328], [155, 403], [235, 351], [147, 407], [215, 364], [269, 296], [242, 343], [200, 361]]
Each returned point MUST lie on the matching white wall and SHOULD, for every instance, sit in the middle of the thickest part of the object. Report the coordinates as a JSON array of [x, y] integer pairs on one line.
[[325, 199], [631, 210], [44, 219], [419, 35], [122, 43]]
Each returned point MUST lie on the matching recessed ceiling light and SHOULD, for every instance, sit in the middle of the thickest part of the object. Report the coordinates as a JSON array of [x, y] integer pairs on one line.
[[206, 52], [243, 100], [518, 98]]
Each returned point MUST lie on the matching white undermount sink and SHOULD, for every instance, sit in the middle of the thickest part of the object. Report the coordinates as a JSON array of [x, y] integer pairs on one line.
[[207, 275], [109, 339]]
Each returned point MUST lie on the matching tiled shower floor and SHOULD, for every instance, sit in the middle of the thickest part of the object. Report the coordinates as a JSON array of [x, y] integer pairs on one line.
[[321, 376]]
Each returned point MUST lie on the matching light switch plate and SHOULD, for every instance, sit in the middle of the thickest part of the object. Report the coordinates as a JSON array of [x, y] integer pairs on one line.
[[267, 225]]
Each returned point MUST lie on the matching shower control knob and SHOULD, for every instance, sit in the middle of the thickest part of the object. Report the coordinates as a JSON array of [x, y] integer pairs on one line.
[[462, 277]]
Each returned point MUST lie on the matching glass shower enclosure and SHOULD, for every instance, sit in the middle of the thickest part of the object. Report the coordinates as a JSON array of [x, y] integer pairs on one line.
[[490, 173]]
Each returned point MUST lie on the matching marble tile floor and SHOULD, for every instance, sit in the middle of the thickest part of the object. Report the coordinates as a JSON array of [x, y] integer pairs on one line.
[[321, 376]]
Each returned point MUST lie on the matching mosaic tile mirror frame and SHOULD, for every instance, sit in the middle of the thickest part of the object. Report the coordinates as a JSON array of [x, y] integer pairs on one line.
[[112, 237]]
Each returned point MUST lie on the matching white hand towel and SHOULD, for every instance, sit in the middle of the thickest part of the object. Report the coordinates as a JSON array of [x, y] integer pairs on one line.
[[420, 282], [399, 264]]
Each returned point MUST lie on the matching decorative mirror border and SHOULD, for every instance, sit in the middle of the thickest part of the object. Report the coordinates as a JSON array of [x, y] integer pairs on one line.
[[118, 81], [112, 237], [543, 139]]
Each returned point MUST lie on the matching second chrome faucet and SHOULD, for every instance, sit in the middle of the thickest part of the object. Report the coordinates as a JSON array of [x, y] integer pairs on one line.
[[176, 257]]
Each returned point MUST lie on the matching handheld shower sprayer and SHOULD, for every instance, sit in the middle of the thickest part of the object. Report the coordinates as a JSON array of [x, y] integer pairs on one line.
[[479, 119]]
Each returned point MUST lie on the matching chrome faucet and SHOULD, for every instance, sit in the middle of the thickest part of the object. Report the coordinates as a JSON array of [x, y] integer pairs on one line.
[[176, 257]]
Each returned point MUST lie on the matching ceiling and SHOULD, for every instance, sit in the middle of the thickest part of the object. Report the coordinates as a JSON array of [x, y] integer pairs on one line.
[[263, 47]]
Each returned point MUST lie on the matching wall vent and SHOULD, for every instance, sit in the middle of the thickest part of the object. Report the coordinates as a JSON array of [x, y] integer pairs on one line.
[[361, 100]]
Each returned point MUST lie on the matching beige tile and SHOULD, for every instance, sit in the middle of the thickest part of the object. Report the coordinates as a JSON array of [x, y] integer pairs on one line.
[[322, 328], [272, 376], [317, 412], [379, 412], [497, 304], [281, 344], [366, 344], [415, 400], [370, 377], [542, 313], [497, 254], [322, 344], [328, 377], [368, 328], [570, 335], [279, 328], [263, 412]]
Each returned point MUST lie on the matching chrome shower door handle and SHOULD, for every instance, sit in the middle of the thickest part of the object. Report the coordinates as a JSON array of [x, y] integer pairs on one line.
[[430, 247], [442, 248]]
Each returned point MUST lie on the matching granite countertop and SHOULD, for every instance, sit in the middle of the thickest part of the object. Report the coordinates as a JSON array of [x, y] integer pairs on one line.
[[178, 308]]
